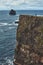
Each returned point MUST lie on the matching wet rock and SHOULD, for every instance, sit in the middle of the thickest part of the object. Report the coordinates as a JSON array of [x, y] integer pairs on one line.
[[12, 12], [29, 50]]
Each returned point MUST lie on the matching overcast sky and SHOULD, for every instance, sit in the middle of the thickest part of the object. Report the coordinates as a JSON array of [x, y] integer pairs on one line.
[[21, 4]]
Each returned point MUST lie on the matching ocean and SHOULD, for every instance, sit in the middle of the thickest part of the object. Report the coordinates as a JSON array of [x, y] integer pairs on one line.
[[8, 30]]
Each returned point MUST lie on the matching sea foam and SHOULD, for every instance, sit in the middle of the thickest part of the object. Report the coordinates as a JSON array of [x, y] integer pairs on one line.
[[7, 24], [9, 61]]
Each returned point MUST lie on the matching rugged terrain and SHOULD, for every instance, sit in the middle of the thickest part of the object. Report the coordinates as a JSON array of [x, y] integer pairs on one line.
[[29, 46]]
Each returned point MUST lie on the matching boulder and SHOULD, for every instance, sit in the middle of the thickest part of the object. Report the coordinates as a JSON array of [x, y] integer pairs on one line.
[[12, 12], [29, 48]]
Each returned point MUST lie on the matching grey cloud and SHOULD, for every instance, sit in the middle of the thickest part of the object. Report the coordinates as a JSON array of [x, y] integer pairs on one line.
[[25, 3]]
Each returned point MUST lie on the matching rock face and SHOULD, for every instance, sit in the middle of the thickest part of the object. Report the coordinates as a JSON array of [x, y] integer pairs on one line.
[[29, 48], [12, 12]]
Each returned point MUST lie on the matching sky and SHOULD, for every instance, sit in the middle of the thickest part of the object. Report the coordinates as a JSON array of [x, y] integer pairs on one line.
[[21, 4]]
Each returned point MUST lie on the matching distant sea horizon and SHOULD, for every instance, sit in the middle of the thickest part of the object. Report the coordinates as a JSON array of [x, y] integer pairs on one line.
[[30, 12]]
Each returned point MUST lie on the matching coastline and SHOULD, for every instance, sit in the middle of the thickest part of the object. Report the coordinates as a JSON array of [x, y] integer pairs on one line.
[[28, 50]]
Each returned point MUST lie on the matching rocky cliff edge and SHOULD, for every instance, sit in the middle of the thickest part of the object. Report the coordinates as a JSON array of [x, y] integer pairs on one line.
[[29, 48]]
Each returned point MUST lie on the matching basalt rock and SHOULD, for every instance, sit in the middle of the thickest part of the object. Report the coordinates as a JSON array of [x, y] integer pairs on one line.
[[12, 12], [29, 48]]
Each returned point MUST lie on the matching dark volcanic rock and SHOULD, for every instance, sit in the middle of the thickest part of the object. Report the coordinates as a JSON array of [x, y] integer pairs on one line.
[[17, 22], [12, 12], [29, 49]]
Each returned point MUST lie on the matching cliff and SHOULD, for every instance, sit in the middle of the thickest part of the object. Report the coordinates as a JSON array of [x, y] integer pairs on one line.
[[29, 48]]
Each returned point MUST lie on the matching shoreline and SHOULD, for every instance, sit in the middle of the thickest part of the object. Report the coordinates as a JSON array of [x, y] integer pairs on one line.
[[29, 50]]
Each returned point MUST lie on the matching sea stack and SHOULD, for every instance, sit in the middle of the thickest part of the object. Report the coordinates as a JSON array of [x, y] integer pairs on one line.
[[12, 12], [29, 46]]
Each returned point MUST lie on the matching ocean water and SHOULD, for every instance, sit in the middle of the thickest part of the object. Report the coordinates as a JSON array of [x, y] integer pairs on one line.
[[8, 30]]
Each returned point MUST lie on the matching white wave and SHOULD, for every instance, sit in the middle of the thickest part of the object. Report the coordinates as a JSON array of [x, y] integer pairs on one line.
[[7, 24], [17, 20], [9, 61], [11, 27], [6, 61], [3, 24]]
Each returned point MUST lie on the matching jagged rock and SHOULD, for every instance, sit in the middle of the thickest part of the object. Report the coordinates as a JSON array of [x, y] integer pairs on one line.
[[12, 12], [29, 49]]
